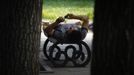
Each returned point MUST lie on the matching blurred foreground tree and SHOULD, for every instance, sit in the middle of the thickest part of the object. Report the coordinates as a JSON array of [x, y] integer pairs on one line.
[[113, 40], [20, 36]]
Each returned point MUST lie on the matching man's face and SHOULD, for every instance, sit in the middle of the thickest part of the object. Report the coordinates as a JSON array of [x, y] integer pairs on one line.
[[70, 30]]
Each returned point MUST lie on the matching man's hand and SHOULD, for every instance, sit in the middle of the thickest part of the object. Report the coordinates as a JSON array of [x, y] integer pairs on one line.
[[70, 16], [60, 19]]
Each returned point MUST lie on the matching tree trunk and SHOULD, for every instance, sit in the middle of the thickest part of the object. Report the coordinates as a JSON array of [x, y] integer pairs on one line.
[[20, 36], [113, 40]]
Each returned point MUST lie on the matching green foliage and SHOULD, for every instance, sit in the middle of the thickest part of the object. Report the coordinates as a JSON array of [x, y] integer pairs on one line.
[[55, 8]]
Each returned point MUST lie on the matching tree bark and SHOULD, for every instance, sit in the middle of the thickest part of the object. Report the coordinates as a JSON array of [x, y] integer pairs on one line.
[[20, 30], [113, 40]]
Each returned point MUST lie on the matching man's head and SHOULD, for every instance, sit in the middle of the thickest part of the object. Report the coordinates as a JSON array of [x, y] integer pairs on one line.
[[74, 35]]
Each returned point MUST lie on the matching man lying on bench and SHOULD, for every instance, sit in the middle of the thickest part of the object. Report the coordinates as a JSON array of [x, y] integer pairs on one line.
[[68, 32]]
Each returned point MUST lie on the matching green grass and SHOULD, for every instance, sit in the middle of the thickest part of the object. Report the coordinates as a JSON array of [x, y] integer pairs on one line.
[[52, 9]]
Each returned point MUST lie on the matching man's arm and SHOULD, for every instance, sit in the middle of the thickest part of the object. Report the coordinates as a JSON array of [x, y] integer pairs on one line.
[[50, 29], [83, 18]]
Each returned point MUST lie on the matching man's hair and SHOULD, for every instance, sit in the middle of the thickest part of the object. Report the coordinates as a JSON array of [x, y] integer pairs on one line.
[[74, 36]]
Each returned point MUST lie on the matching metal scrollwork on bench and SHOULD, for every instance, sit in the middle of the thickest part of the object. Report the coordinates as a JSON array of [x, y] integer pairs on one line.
[[78, 53]]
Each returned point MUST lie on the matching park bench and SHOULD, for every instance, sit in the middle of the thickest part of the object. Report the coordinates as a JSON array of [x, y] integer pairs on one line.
[[60, 53], [77, 52]]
